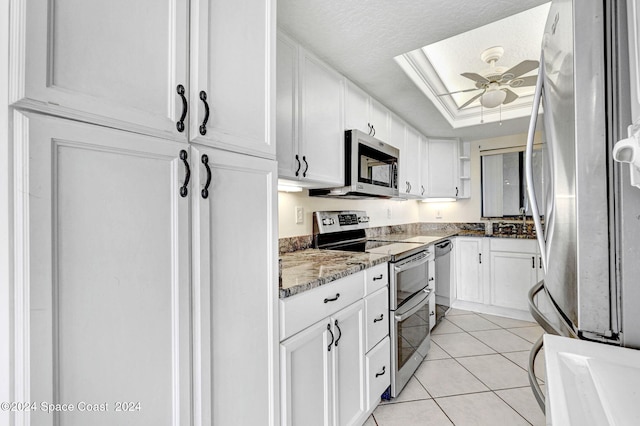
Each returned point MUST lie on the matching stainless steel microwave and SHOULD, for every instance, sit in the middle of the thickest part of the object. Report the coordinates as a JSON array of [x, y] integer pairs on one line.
[[371, 169]]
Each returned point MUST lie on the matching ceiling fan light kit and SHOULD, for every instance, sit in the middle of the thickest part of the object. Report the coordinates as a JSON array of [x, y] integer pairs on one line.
[[496, 82]]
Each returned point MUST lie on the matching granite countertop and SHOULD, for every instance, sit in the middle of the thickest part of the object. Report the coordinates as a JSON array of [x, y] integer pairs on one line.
[[304, 270], [307, 269]]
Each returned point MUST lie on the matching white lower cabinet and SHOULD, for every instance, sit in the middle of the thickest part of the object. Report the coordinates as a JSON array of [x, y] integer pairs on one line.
[[514, 270], [129, 281], [334, 371], [323, 371], [469, 270]]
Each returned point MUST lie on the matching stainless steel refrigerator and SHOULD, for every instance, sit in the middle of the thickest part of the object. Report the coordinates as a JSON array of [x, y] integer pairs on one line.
[[591, 238]]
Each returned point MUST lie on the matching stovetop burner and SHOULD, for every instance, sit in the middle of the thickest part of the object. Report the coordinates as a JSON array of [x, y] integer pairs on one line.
[[345, 231]]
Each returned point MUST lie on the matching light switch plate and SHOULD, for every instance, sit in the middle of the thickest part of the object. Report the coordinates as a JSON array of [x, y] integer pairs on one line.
[[299, 215]]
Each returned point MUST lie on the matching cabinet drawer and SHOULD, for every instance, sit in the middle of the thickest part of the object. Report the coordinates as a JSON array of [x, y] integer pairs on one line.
[[300, 311], [514, 245], [378, 372], [377, 313], [431, 275], [376, 278]]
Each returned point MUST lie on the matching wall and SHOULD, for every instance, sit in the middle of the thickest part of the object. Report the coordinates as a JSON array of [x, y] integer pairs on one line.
[[469, 210], [401, 211]]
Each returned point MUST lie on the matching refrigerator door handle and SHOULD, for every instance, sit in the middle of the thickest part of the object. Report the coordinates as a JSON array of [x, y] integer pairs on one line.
[[537, 313], [533, 380], [529, 163]]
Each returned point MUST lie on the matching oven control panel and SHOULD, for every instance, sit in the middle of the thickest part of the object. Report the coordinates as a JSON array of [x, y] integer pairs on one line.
[[336, 221]]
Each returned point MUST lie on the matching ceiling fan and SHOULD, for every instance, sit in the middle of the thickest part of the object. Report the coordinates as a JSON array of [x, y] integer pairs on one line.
[[496, 82]]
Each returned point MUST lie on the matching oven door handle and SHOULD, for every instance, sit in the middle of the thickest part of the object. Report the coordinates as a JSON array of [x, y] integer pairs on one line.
[[424, 299], [421, 259]]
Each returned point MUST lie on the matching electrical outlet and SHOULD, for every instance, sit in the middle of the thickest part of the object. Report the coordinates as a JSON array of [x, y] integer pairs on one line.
[[299, 215], [438, 214]]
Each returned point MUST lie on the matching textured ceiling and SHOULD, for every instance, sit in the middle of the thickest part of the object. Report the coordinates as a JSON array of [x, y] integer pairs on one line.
[[360, 38]]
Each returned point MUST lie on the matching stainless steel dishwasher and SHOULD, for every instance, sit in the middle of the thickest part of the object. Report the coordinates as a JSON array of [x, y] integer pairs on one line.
[[443, 278]]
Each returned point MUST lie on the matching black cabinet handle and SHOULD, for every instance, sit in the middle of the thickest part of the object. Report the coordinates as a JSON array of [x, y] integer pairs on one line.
[[379, 277], [180, 123], [304, 174], [205, 191], [340, 331], [333, 299], [432, 314], [480, 257], [384, 369], [378, 319], [374, 130], [203, 126], [298, 169], [431, 279], [332, 339], [422, 186], [456, 191], [183, 190], [370, 128], [410, 186], [533, 262]]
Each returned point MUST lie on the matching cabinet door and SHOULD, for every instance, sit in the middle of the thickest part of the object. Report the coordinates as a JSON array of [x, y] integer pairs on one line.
[[442, 168], [287, 107], [410, 161], [379, 118], [321, 126], [512, 275], [396, 138], [122, 71], [235, 334], [469, 269], [306, 384], [356, 109], [349, 368], [233, 63], [103, 276]]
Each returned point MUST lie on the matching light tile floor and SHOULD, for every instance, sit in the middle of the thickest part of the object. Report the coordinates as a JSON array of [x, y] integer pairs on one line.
[[475, 374]]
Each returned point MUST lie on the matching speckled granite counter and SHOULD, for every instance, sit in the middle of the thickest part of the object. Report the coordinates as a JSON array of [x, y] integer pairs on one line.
[[306, 269]]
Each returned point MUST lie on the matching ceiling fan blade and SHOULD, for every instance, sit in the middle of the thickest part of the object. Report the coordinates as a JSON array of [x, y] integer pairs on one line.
[[472, 99], [524, 81], [522, 68], [511, 96], [475, 77], [460, 91]]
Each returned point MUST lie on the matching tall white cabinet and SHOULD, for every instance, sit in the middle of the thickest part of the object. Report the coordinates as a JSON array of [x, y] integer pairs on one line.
[[146, 237]]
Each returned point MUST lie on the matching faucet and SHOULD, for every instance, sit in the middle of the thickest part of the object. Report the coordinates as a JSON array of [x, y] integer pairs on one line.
[[523, 212]]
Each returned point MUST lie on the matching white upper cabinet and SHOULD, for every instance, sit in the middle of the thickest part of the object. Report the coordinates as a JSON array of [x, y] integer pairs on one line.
[[137, 68], [356, 109], [396, 137], [321, 141], [441, 161], [379, 117], [232, 66], [409, 182], [287, 107], [110, 62], [309, 118], [364, 113]]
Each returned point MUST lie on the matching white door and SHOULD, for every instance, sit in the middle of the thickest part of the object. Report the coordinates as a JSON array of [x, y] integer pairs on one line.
[[469, 269], [103, 283], [512, 275], [233, 74], [356, 106], [442, 169], [379, 117], [349, 368], [410, 161], [306, 385], [321, 126], [287, 108], [235, 291], [115, 63]]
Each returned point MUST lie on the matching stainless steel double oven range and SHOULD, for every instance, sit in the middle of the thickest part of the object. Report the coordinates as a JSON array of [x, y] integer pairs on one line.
[[410, 285]]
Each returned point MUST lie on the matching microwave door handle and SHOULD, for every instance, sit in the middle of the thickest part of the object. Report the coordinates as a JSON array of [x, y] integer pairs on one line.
[[529, 164], [419, 305]]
